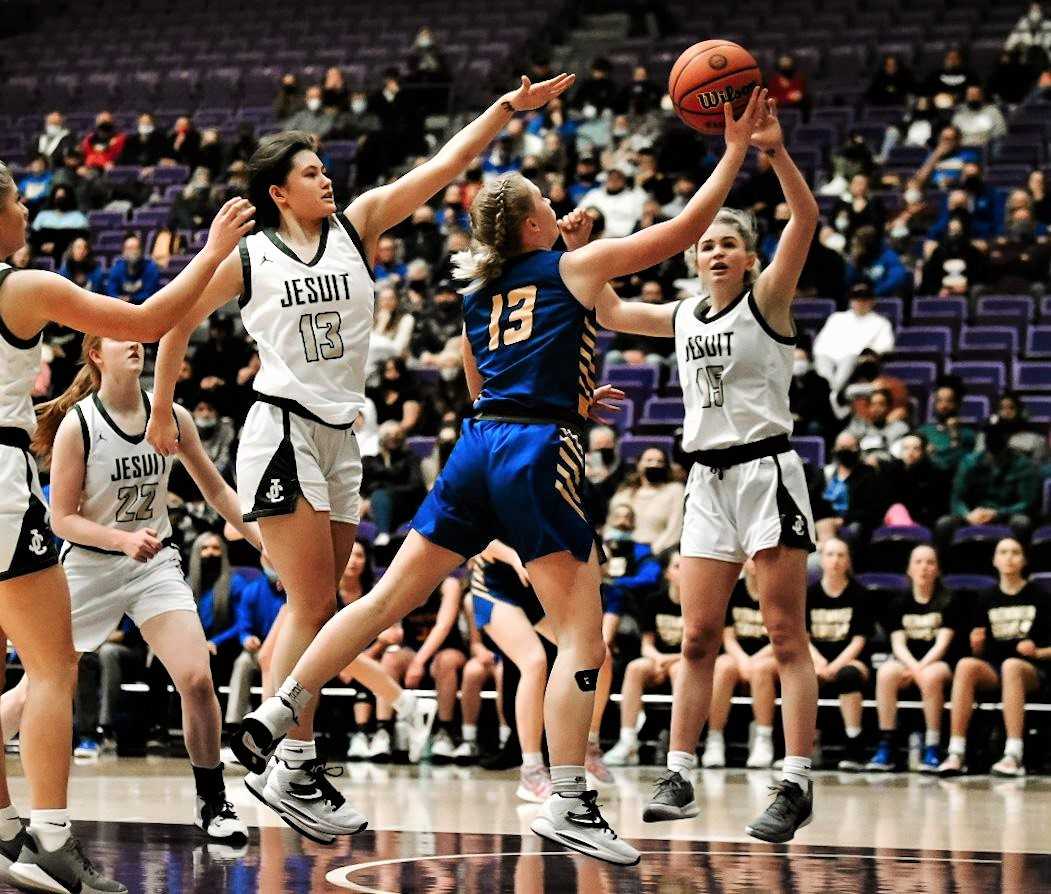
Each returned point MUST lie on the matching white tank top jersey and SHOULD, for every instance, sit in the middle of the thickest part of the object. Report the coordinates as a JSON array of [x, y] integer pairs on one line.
[[311, 320], [20, 360], [735, 372], [125, 479]]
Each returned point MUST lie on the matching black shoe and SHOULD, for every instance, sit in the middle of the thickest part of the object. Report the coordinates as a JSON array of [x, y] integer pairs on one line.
[[509, 757], [672, 799], [853, 756], [792, 809], [9, 850]]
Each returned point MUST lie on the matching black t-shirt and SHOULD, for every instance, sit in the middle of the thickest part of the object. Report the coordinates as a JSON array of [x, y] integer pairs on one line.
[[833, 622], [663, 618], [742, 614], [1010, 619], [418, 624], [921, 621]]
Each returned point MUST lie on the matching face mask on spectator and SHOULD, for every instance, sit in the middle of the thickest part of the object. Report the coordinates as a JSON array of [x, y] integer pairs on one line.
[[313, 104], [800, 367], [53, 130], [205, 424], [913, 196], [656, 474], [974, 104], [609, 455], [358, 106], [145, 130], [105, 129], [899, 232], [847, 458], [210, 567]]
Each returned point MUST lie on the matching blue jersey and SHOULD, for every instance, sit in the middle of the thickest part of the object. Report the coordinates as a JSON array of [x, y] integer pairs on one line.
[[533, 342]]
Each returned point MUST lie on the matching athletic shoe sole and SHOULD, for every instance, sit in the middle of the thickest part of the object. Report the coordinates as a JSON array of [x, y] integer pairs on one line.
[[779, 839], [542, 826], [1000, 774], [290, 808], [951, 774], [316, 837], [35, 878], [254, 744], [234, 838], [850, 766], [879, 768], [661, 813]]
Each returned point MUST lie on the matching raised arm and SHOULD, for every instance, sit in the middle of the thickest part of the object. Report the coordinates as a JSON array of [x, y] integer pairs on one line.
[[776, 286], [589, 268], [227, 283], [376, 211], [33, 298], [216, 492]]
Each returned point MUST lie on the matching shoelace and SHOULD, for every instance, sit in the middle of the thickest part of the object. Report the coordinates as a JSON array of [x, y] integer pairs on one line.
[[782, 806], [669, 780], [88, 866], [590, 816], [222, 809], [321, 773]]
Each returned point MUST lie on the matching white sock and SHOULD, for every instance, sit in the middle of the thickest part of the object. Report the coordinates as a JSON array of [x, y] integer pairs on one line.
[[764, 732], [682, 762], [568, 780], [628, 735], [715, 737], [10, 824], [531, 760], [797, 770], [470, 732], [958, 745], [932, 737], [405, 703], [1013, 748], [51, 827], [853, 732], [295, 695], [593, 739], [505, 734], [294, 753]]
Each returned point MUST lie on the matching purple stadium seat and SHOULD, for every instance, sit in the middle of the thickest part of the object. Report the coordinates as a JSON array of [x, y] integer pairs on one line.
[[633, 446], [624, 421], [934, 340], [972, 548], [993, 342], [662, 411], [969, 585], [892, 309], [1042, 579], [1035, 376], [1038, 408], [1005, 310], [1039, 554], [891, 546], [939, 311], [1038, 341], [883, 587], [645, 375], [150, 218], [810, 449], [975, 372], [912, 372], [421, 446], [106, 220], [812, 311], [169, 175]]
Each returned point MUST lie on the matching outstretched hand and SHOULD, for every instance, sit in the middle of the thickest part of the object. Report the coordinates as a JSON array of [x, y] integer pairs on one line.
[[575, 228], [233, 221], [534, 96], [767, 134], [739, 130], [600, 401]]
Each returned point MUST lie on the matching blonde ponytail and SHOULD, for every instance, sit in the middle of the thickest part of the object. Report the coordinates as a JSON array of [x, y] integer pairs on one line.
[[51, 414], [497, 214]]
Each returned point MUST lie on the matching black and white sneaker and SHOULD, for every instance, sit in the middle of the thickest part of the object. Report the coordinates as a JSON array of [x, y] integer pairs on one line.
[[63, 871], [791, 809], [575, 822], [853, 756], [672, 799], [256, 785], [219, 821], [261, 732], [9, 851], [310, 803]]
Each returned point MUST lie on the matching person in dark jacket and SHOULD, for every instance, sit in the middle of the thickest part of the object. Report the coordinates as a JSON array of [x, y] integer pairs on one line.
[[852, 503], [808, 396], [146, 146], [392, 482], [891, 85], [918, 485]]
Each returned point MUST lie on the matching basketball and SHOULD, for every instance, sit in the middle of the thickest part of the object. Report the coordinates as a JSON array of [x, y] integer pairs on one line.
[[707, 75]]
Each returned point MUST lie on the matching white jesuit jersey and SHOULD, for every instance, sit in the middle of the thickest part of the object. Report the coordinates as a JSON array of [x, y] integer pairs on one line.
[[735, 372], [125, 479], [19, 368], [311, 320]]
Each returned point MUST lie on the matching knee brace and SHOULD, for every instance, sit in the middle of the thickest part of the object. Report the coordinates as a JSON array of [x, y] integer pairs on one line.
[[587, 680], [849, 679]]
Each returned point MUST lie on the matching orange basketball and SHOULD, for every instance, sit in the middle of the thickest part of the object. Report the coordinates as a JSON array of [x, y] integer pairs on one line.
[[708, 74]]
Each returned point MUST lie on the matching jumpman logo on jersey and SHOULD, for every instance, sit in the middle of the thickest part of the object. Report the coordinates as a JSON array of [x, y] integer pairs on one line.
[[102, 436], [36, 543], [265, 260], [277, 491]]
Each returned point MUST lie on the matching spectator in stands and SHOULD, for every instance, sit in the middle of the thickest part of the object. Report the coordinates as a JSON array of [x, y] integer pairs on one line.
[[258, 601], [641, 95], [840, 624], [876, 433], [224, 363], [431, 466], [620, 204], [146, 146], [289, 98], [922, 625], [1018, 260], [788, 85], [892, 84], [210, 579], [603, 469], [453, 214], [824, 274], [313, 117], [428, 65], [35, 185], [193, 208], [747, 658], [397, 398], [79, 265], [334, 92], [392, 483], [55, 142], [915, 218], [57, 225], [998, 486], [133, 277], [392, 322], [183, 143], [1011, 642], [655, 499], [858, 209], [978, 120], [851, 505], [808, 395], [948, 439], [847, 333], [437, 325], [1011, 79], [244, 146], [660, 621], [875, 263], [102, 147], [944, 166], [920, 489], [633, 569], [387, 265], [867, 376], [212, 156], [1023, 436], [1032, 35], [217, 434], [760, 192], [947, 85], [954, 264], [596, 93], [422, 238]]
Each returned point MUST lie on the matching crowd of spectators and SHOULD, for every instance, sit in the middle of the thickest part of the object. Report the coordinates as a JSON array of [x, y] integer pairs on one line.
[[615, 149]]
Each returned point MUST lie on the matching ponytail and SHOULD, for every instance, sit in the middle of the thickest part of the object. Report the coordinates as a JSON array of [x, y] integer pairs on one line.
[[497, 214], [51, 414]]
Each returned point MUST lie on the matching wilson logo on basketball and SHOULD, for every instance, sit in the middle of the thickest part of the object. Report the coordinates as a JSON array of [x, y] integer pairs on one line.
[[714, 99]]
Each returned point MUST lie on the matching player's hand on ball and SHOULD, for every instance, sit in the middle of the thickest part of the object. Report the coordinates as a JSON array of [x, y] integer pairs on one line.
[[601, 402], [233, 221], [534, 96], [768, 135], [575, 228], [739, 130], [163, 434]]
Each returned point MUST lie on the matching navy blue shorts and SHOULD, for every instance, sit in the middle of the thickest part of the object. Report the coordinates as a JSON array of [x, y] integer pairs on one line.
[[514, 481]]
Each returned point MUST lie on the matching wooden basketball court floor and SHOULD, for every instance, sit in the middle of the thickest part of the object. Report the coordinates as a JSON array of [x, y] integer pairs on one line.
[[450, 829]]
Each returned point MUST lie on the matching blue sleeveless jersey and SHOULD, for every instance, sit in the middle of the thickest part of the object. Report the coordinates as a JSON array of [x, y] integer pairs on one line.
[[533, 342]]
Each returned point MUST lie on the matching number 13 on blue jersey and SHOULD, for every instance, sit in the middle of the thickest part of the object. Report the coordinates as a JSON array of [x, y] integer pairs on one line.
[[519, 323]]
